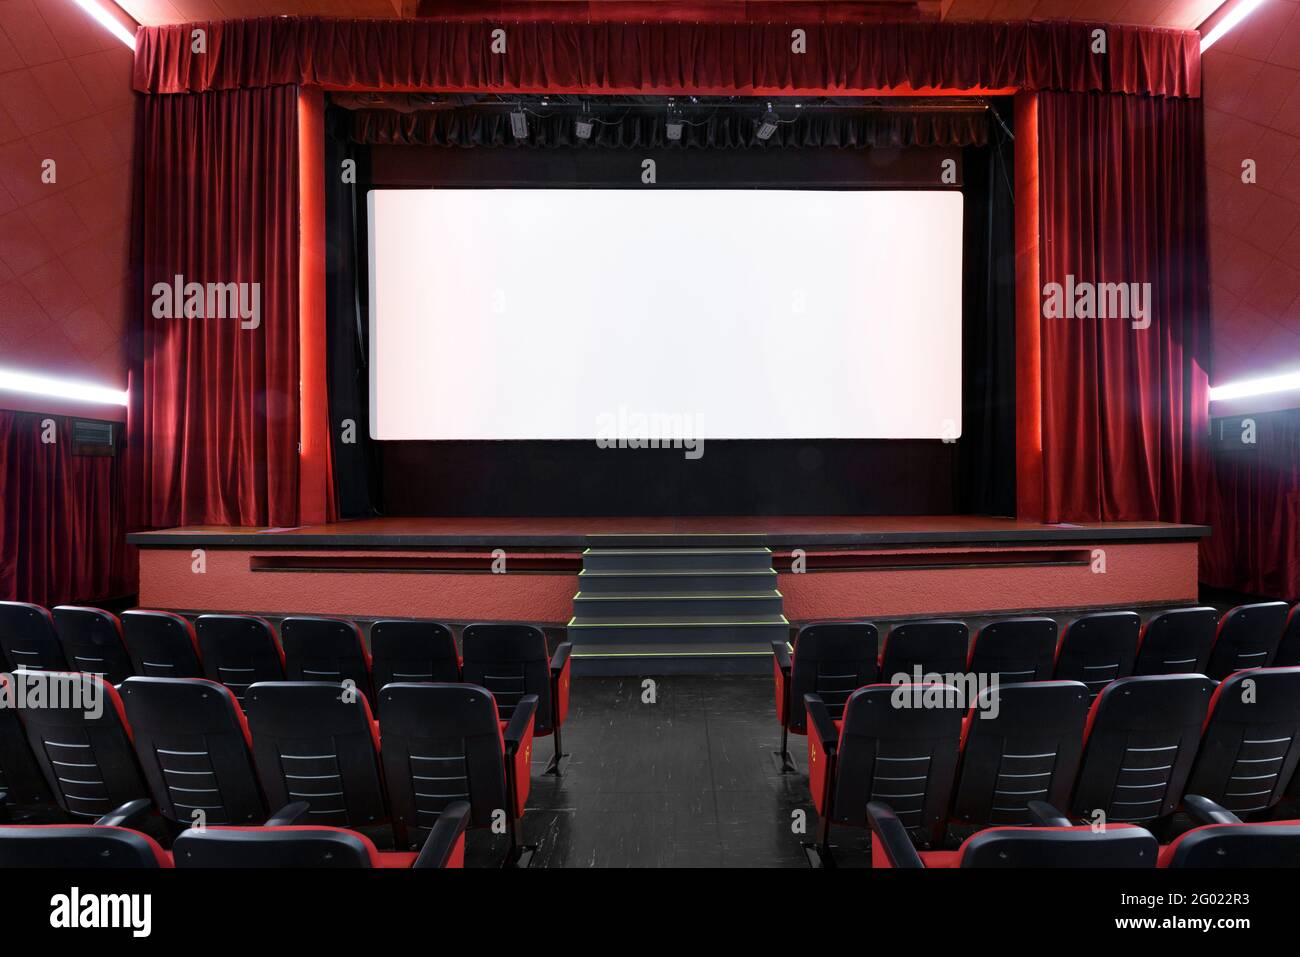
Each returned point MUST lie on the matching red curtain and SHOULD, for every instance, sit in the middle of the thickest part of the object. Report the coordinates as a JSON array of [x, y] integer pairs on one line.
[[1124, 410], [214, 423], [62, 521], [705, 55], [1255, 547]]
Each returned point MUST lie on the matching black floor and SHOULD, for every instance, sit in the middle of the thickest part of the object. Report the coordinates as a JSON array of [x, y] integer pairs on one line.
[[689, 779]]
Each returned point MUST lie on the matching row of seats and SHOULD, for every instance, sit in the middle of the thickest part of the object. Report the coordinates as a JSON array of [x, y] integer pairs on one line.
[[312, 749], [1222, 840], [833, 659], [509, 660], [1129, 757]]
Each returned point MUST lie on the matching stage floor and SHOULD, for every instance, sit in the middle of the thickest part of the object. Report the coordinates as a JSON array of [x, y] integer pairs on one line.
[[781, 531]]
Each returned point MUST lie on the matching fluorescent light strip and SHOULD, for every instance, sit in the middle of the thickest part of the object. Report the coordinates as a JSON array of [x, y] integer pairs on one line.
[[107, 21], [1238, 13], [1249, 387], [12, 381]]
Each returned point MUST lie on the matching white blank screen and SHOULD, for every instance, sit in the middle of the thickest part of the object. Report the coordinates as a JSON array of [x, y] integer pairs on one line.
[[745, 314]]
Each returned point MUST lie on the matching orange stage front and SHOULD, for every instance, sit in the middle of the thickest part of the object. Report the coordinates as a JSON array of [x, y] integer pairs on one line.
[[849, 566]]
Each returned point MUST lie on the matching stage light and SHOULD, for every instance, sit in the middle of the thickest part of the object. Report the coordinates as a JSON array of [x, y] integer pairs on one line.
[[1238, 13], [675, 123], [767, 124], [583, 126], [519, 124], [1265, 385], [13, 381], [107, 21]]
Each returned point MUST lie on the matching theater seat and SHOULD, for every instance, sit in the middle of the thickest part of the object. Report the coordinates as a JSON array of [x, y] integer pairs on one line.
[[1015, 649], [1096, 649], [1247, 637], [1223, 841], [1027, 751], [325, 649], [193, 745], [1138, 747], [511, 661], [1054, 842], [28, 638], [905, 757], [108, 843], [317, 742], [1250, 744], [1288, 649], [284, 844], [830, 660], [412, 651], [443, 743], [20, 776], [936, 647], [239, 650], [1176, 642], [161, 645], [92, 642], [82, 742]]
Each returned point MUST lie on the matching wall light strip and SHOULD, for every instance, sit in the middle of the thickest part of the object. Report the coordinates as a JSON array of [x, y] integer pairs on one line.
[[1238, 13], [1250, 387], [107, 21], [12, 381]]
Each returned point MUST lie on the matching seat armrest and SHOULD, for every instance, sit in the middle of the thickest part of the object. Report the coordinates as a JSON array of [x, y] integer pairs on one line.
[[444, 836], [892, 836], [129, 814], [1204, 811], [561, 657], [820, 723], [521, 722], [782, 652], [288, 815], [1045, 815]]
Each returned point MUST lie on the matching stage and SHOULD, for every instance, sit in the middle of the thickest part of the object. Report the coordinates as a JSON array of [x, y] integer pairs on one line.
[[462, 569]]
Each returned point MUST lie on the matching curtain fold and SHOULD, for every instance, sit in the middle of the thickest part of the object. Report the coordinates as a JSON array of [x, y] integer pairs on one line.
[[214, 423], [704, 55], [642, 130], [62, 516], [1124, 409]]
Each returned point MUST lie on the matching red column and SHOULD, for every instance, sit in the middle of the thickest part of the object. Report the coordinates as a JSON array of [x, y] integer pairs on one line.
[[313, 475], [1029, 426]]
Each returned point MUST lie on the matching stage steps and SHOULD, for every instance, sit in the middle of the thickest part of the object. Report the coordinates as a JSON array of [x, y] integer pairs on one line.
[[676, 604]]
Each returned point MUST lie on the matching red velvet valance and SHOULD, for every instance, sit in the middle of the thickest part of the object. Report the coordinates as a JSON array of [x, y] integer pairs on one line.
[[661, 57]]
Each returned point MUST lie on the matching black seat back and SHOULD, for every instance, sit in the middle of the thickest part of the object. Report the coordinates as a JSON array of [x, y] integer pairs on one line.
[[904, 757], [1248, 637], [315, 741], [1096, 649], [82, 742], [325, 649], [412, 651], [831, 660], [1139, 745], [161, 645], [936, 647], [1028, 750], [442, 744], [1288, 649], [262, 847], [1274, 845], [66, 847], [1122, 845], [193, 746], [1251, 743], [238, 651], [20, 776], [28, 638], [510, 661], [92, 642], [1015, 649], [1177, 642]]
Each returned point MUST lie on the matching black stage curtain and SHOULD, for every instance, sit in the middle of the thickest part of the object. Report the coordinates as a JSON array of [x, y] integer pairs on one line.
[[647, 130]]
